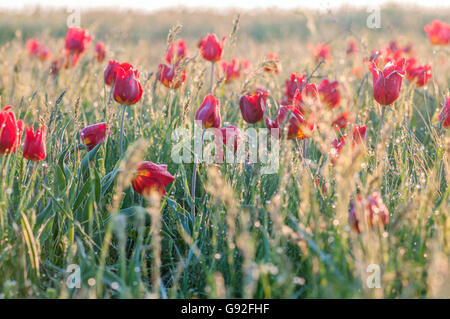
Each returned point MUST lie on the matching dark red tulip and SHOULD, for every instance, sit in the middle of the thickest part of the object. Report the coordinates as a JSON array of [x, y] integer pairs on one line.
[[387, 83], [77, 42], [38, 50], [274, 65], [92, 135], [171, 76], [34, 148], [110, 71], [211, 49], [353, 219], [294, 83], [10, 131], [253, 106], [342, 120], [100, 52], [329, 93], [230, 70], [176, 52], [127, 89], [438, 32], [358, 134], [352, 47], [209, 112], [444, 116], [151, 177]]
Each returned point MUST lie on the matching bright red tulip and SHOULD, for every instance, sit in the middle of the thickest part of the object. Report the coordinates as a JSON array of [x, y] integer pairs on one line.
[[438, 32], [231, 70], [275, 66], [176, 52], [444, 116], [298, 127], [294, 83], [209, 112], [110, 71], [38, 50], [100, 52], [329, 93], [77, 42], [34, 148], [352, 47], [211, 49], [322, 52], [10, 131], [253, 106], [420, 74], [92, 135], [171, 76], [127, 89], [387, 83], [151, 177]]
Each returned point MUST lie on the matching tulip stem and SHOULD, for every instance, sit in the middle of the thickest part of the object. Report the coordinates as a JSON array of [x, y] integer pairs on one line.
[[194, 177], [212, 77], [380, 129], [124, 107]]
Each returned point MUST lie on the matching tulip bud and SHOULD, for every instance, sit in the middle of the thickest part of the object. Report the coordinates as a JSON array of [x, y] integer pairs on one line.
[[253, 106], [444, 116], [171, 77], [209, 112], [100, 51], [110, 72], [127, 89], [294, 83], [34, 148], [38, 50], [387, 83], [92, 135], [211, 49], [10, 131], [176, 52], [151, 177], [77, 42], [329, 94]]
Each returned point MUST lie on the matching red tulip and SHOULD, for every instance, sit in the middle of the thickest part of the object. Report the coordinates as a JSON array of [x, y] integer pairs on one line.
[[209, 112], [211, 49], [358, 134], [100, 51], [77, 41], [246, 65], [92, 135], [151, 177], [371, 211], [176, 52], [127, 89], [321, 52], [353, 219], [342, 120], [231, 70], [352, 48], [34, 148], [10, 131], [298, 127], [275, 66], [329, 93], [230, 133], [377, 211], [444, 116], [387, 83], [438, 32], [253, 106], [337, 148], [294, 83], [419, 74], [171, 76], [38, 50], [110, 71]]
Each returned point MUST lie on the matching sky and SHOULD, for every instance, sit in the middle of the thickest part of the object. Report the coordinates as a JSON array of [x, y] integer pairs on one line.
[[152, 5]]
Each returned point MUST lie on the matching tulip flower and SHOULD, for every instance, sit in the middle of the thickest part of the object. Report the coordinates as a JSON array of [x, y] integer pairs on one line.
[[211, 49], [438, 32], [209, 112], [322, 52], [253, 106], [329, 93], [127, 89], [151, 177], [231, 70], [92, 135], [110, 71], [371, 210], [171, 76], [358, 134], [387, 83], [419, 74], [274, 64], [77, 42], [444, 116], [294, 83], [34, 148], [100, 51], [298, 127], [176, 52], [342, 120], [228, 135], [352, 48], [337, 146], [38, 50], [10, 131]]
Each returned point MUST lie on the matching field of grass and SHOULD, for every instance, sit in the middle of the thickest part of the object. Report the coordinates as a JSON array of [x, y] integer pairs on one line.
[[253, 235]]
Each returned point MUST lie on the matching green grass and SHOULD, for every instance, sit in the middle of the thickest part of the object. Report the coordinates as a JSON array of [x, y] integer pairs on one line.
[[253, 235]]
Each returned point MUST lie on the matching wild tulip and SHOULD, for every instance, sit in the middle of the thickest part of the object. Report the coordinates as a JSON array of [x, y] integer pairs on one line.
[[387, 83], [100, 52], [273, 64], [438, 32], [226, 136], [176, 52], [92, 135], [151, 177], [38, 50], [110, 71], [370, 211], [358, 134], [444, 116], [127, 88], [294, 83], [336, 149], [211, 49], [209, 112], [171, 76], [298, 127], [253, 106], [322, 52], [34, 148], [352, 48], [329, 93], [10, 131], [231, 70], [77, 42], [342, 120], [419, 74]]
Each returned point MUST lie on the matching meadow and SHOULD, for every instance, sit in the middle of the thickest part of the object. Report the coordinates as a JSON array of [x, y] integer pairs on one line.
[[243, 234]]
